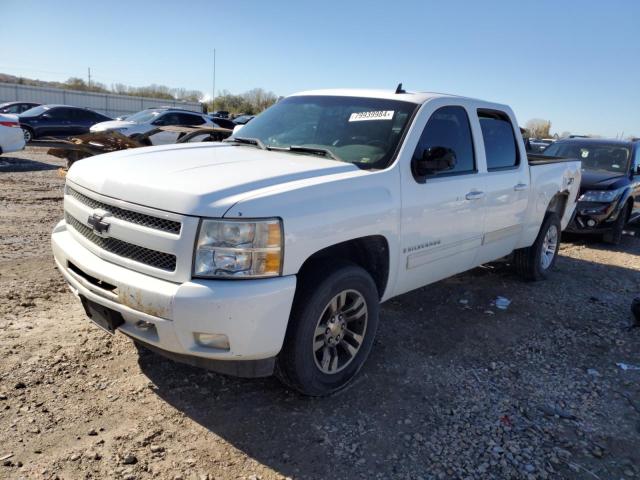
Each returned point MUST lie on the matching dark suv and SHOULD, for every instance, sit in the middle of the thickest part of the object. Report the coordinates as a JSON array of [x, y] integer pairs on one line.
[[57, 121], [610, 190]]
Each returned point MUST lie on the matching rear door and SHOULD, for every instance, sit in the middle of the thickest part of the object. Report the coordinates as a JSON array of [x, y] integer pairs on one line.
[[506, 182], [80, 121], [442, 214]]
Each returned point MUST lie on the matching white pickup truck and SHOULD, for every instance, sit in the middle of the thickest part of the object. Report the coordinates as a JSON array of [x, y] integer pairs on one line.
[[271, 252]]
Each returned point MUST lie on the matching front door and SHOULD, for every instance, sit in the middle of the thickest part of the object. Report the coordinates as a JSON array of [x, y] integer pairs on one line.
[[442, 213]]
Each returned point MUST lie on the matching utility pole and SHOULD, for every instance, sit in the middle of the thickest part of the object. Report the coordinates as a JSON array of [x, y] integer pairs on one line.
[[213, 89], [89, 77]]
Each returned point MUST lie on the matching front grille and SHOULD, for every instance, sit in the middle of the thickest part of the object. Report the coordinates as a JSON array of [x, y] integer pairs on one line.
[[128, 215], [153, 258]]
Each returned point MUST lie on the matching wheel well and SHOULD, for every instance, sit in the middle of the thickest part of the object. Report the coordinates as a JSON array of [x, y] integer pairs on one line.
[[630, 203], [558, 204], [370, 253]]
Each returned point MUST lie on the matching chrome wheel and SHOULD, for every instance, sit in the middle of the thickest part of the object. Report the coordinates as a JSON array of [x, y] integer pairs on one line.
[[549, 246], [27, 135], [340, 331]]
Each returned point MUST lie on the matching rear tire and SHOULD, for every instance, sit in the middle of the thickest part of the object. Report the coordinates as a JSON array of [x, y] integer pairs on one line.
[[535, 262], [614, 236], [331, 329]]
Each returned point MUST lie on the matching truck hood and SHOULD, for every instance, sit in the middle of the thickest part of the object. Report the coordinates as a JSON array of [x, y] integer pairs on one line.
[[203, 179]]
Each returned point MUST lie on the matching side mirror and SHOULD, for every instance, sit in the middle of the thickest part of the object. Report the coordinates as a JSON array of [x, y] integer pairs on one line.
[[434, 160], [46, 115]]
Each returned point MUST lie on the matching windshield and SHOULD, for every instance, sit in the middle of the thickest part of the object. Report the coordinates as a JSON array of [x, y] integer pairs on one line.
[[35, 111], [363, 131], [145, 116], [609, 157]]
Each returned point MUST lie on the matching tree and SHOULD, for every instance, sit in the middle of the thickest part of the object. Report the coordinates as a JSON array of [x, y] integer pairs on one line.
[[252, 102], [539, 128]]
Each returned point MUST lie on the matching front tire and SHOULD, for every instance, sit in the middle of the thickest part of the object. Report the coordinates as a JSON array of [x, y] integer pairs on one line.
[[614, 236], [28, 134], [535, 262], [331, 330]]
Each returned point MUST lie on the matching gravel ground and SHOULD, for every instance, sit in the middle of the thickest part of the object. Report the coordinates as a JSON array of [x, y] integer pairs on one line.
[[454, 388]]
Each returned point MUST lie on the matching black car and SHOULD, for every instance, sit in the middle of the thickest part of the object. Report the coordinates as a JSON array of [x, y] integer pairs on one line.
[[220, 114], [57, 121], [609, 195], [16, 107], [243, 119], [222, 122]]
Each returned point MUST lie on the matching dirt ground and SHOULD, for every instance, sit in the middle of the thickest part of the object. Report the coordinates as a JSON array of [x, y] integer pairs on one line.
[[454, 388]]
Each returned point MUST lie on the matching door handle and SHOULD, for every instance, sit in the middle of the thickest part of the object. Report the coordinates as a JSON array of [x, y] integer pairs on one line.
[[520, 187], [475, 195]]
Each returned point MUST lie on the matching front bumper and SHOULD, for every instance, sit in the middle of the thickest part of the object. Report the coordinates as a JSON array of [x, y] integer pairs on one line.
[[593, 217], [253, 314]]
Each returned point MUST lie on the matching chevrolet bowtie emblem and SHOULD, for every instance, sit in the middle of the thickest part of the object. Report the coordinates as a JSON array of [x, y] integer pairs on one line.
[[97, 221]]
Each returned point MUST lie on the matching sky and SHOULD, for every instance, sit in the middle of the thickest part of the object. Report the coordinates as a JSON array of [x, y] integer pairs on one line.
[[575, 63]]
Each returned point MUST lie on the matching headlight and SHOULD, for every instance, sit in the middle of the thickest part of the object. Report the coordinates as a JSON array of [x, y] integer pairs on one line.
[[599, 195], [238, 248]]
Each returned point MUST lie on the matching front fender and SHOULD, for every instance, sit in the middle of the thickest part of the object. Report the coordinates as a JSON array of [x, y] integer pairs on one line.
[[321, 212]]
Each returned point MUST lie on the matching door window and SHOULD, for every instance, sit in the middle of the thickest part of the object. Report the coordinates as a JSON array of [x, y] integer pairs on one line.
[[60, 113], [168, 119], [189, 120], [449, 127], [500, 144]]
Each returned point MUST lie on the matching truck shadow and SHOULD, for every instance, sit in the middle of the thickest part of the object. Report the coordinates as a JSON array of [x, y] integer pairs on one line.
[[446, 365], [13, 164]]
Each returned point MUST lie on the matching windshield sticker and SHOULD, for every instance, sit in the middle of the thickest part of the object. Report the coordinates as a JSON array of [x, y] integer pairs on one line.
[[377, 115]]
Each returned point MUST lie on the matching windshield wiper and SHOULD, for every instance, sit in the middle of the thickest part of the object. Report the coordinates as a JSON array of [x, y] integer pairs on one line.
[[321, 151], [248, 141]]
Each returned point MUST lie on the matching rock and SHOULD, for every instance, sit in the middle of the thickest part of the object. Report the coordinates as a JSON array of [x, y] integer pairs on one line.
[[597, 452], [156, 448], [529, 468], [129, 459], [20, 386], [593, 372], [92, 432], [74, 457]]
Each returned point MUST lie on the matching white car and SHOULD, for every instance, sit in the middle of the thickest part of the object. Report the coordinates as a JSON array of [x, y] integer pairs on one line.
[[11, 136], [146, 120], [272, 252]]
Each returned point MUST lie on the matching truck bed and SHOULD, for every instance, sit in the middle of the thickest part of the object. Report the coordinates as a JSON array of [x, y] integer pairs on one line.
[[537, 159]]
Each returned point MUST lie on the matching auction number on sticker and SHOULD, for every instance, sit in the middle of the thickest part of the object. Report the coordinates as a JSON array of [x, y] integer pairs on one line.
[[377, 115]]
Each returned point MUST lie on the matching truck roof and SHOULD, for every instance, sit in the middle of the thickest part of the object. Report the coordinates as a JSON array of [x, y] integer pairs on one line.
[[413, 97]]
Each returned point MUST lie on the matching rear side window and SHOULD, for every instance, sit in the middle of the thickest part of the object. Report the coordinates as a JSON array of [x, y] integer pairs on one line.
[[188, 119], [500, 143], [449, 127]]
